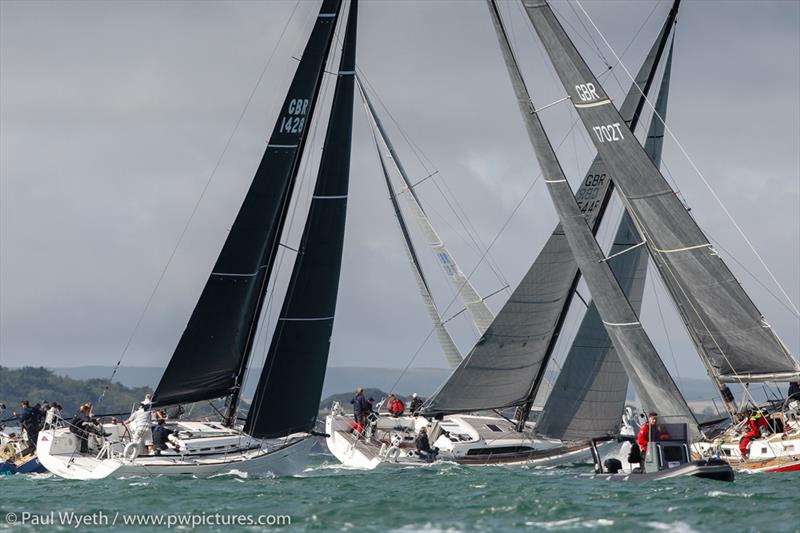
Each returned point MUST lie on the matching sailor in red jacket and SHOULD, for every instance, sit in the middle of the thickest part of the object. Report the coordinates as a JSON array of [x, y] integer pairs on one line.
[[755, 425], [644, 433]]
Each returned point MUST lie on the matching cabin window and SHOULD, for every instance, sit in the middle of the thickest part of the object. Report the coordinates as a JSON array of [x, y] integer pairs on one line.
[[763, 450], [500, 450], [494, 427]]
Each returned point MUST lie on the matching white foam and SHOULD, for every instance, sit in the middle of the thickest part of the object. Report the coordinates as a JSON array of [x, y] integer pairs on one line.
[[674, 527], [572, 523]]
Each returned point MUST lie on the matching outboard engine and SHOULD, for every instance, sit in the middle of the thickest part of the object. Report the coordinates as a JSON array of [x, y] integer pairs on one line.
[[612, 466]]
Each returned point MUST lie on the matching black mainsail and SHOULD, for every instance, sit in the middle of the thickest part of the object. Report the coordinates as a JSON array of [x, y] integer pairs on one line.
[[212, 354], [733, 338], [506, 366], [589, 393], [288, 392], [642, 363]]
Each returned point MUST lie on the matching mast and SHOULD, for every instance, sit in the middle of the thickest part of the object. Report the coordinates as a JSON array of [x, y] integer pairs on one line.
[[449, 348], [637, 354], [287, 397], [211, 356], [590, 391], [731, 335], [476, 307]]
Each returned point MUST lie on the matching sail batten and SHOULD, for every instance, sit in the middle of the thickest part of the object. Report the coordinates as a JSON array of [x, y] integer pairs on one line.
[[517, 346], [721, 319], [211, 356], [288, 392]]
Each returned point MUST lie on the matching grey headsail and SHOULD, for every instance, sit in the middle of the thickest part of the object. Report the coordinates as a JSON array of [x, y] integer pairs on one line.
[[449, 349], [733, 339], [507, 364], [589, 394], [288, 392], [212, 353], [476, 307], [634, 349]]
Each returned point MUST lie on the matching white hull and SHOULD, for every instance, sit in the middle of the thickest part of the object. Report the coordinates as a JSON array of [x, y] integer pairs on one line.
[[467, 439], [777, 453], [58, 451]]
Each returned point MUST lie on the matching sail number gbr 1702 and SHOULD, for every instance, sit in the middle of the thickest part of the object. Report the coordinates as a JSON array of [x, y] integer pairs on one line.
[[296, 119], [606, 133]]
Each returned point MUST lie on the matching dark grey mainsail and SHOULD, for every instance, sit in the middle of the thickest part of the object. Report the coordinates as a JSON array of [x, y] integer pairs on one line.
[[212, 353], [288, 392], [506, 366], [589, 393], [642, 363], [731, 335]]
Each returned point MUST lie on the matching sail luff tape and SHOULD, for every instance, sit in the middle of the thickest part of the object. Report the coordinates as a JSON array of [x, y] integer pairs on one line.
[[594, 104]]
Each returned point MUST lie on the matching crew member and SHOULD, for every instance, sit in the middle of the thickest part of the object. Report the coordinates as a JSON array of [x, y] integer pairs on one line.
[[415, 405], [397, 408], [424, 449], [756, 425], [644, 433], [161, 435], [359, 409]]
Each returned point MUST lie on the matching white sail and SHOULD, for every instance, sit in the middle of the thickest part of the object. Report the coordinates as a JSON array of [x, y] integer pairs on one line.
[[449, 348], [479, 312]]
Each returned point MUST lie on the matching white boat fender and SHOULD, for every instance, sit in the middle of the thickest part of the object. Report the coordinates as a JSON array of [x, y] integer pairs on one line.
[[131, 451]]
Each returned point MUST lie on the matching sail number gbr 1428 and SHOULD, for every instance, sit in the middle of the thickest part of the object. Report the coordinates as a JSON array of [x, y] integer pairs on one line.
[[296, 119]]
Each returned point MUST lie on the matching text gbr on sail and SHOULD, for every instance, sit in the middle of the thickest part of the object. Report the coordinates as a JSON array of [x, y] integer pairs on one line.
[[294, 122]]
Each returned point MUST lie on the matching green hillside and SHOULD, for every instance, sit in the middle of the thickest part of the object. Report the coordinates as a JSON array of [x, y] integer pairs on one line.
[[39, 384]]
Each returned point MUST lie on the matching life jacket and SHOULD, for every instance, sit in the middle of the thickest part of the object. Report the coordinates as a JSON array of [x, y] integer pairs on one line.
[[644, 437], [398, 407]]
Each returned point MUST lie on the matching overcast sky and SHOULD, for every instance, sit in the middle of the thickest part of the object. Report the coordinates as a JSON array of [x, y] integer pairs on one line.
[[113, 116]]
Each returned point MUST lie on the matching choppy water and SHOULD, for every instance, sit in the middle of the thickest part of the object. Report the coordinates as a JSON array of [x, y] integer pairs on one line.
[[441, 497]]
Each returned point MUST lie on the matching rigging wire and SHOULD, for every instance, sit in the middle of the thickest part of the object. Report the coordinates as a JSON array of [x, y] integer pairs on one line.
[[491, 244], [454, 205], [695, 168], [197, 203]]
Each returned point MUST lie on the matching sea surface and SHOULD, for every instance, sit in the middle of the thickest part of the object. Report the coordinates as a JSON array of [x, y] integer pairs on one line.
[[440, 497]]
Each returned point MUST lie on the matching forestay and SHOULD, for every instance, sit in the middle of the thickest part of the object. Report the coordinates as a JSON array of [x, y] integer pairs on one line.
[[729, 331]]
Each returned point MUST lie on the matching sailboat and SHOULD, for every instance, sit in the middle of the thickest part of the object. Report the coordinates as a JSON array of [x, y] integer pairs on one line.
[[506, 367], [213, 353], [732, 337]]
